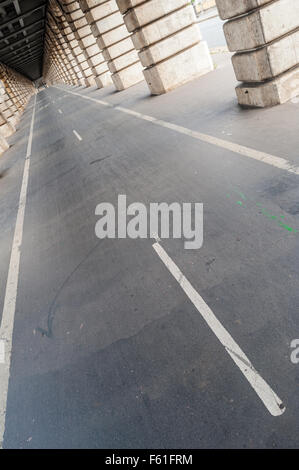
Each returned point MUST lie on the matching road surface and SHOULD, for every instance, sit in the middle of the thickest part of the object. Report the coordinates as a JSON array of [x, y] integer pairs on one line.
[[212, 29], [108, 350]]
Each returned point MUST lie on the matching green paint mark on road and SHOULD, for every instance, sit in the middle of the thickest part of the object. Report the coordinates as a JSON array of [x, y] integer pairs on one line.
[[265, 212]]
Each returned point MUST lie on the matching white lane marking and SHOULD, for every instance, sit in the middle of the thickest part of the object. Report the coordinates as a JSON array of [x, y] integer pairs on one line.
[[263, 157], [59, 110], [9, 306], [271, 401], [77, 135]]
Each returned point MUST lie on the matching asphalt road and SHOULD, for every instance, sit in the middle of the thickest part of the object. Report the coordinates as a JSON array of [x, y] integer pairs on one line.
[[108, 351]]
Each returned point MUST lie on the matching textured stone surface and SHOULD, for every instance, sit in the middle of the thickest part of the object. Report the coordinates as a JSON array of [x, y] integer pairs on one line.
[[262, 26], [3, 144], [95, 65], [174, 72], [230, 8], [269, 61], [270, 93]]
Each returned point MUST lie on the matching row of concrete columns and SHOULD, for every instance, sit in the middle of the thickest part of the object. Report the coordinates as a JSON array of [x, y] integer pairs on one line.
[[125, 42], [15, 91], [100, 42], [265, 36], [97, 42], [107, 26]]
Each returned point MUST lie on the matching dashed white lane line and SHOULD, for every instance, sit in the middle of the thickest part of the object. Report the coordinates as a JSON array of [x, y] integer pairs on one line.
[[271, 401], [9, 306], [77, 135], [248, 152]]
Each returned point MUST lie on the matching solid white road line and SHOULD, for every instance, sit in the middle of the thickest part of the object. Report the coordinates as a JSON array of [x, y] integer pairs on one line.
[[263, 157], [271, 401], [77, 135], [9, 306]]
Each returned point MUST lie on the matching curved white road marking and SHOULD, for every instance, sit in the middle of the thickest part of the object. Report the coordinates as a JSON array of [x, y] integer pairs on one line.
[[9, 306]]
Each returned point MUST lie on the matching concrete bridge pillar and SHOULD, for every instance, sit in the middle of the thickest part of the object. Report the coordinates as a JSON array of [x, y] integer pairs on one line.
[[168, 40], [6, 125], [59, 24], [59, 53], [58, 10], [265, 36], [7, 78], [57, 38], [3, 144], [48, 67], [6, 128], [9, 107], [58, 72], [108, 28], [89, 77], [87, 43]]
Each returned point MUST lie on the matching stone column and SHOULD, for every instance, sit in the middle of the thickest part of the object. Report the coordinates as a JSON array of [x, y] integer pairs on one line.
[[49, 71], [3, 144], [8, 108], [57, 20], [15, 90], [264, 34], [48, 66], [5, 76], [114, 40], [87, 43], [54, 31], [168, 38], [18, 88], [55, 60], [6, 126], [60, 55], [57, 8], [89, 77], [6, 129]]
